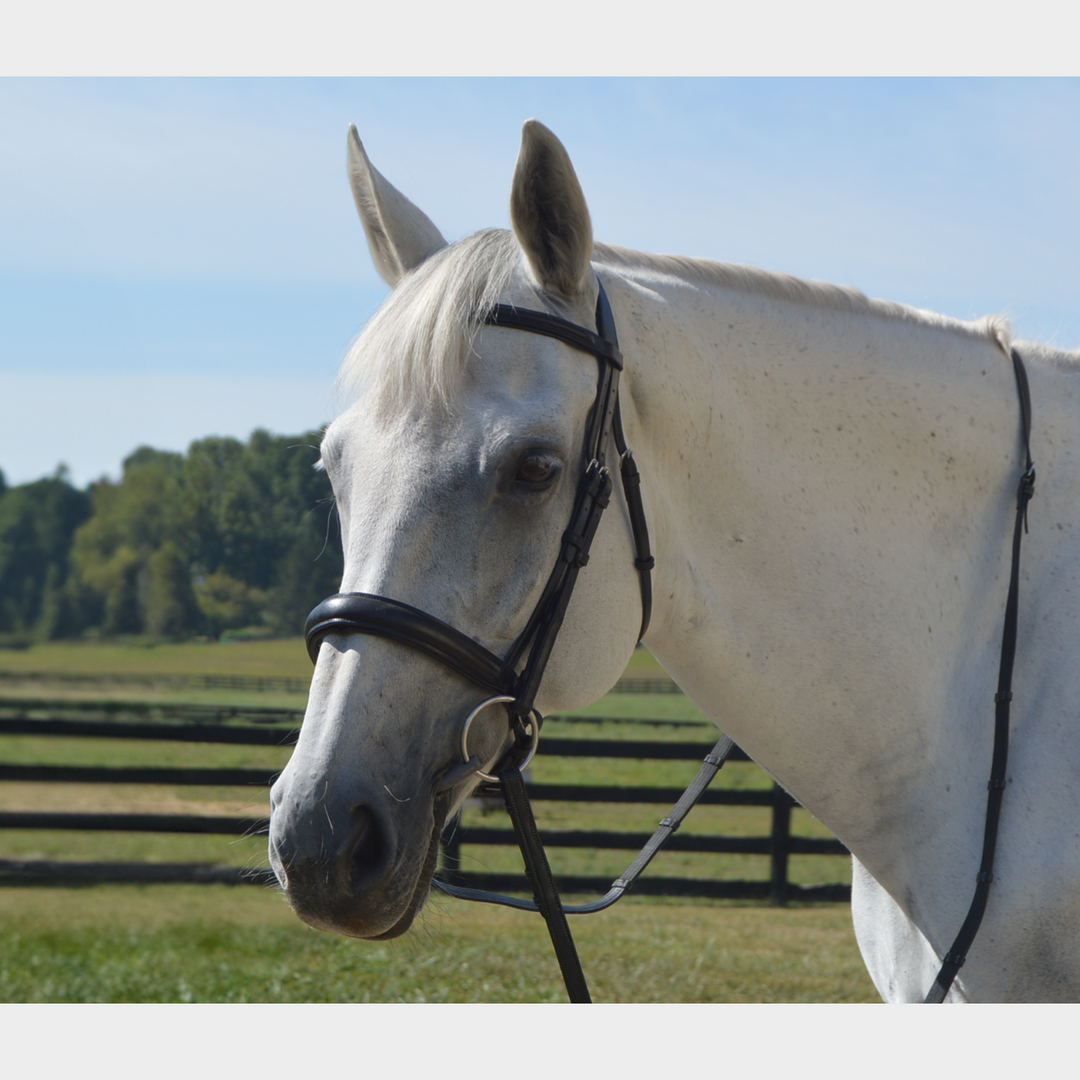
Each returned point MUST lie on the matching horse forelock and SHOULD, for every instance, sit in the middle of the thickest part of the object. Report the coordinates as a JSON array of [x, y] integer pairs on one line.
[[416, 347]]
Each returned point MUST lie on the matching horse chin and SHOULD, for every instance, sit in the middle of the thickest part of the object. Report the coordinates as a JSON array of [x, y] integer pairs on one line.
[[379, 913], [420, 893]]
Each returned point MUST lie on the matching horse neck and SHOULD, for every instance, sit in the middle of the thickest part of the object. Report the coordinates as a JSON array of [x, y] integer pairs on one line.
[[832, 493]]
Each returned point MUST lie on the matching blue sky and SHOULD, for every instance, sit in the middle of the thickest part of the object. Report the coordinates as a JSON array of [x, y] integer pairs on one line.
[[181, 257]]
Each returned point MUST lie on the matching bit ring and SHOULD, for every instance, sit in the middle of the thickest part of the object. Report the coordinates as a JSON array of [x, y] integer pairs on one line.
[[499, 700]]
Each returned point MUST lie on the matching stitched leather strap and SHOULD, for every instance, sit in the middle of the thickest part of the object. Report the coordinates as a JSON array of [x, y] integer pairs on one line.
[[543, 884], [542, 322], [955, 957], [631, 482], [379, 615]]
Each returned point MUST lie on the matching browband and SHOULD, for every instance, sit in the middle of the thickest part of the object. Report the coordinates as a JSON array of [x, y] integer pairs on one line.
[[553, 326]]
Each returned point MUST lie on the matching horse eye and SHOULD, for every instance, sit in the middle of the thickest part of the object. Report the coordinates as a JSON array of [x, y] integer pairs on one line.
[[537, 470]]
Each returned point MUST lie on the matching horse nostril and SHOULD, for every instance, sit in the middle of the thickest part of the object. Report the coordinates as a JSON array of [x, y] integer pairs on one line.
[[367, 853]]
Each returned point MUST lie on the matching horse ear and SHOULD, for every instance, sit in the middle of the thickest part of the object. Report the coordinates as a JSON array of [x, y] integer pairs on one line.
[[548, 212], [400, 235]]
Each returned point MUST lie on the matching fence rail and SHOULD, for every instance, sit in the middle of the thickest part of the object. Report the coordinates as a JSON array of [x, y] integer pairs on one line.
[[270, 727], [257, 683]]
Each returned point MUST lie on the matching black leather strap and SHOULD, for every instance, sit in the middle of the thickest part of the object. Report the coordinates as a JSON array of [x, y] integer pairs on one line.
[[545, 894], [643, 559], [955, 957], [541, 322], [379, 615]]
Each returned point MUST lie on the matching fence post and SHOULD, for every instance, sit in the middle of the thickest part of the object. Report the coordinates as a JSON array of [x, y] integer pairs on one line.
[[778, 845]]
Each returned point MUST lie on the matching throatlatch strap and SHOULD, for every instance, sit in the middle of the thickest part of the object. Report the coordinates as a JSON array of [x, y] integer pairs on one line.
[[643, 558], [955, 957]]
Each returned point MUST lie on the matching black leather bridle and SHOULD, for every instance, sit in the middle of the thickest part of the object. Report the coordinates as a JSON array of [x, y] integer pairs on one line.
[[380, 615], [515, 679]]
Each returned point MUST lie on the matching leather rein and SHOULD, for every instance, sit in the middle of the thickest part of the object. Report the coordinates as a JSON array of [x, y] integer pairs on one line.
[[954, 959], [516, 689]]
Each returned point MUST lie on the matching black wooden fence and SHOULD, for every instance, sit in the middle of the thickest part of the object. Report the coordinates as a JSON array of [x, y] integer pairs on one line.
[[275, 727], [250, 683]]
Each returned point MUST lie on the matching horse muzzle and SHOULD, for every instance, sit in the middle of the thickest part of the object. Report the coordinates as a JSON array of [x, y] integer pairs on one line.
[[362, 869]]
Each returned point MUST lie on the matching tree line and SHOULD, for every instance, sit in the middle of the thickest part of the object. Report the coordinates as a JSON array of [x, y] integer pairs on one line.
[[229, 536]]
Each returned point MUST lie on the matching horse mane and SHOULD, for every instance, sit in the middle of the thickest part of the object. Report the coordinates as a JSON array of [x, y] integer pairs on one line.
[[416, 347], [1066, 361], [778, 286]]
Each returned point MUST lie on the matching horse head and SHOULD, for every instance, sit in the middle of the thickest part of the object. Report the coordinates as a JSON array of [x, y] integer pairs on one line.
[[456, 472]]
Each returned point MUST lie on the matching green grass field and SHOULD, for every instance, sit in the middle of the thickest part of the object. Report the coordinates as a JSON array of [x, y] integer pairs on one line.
[[282, 656], [210, 943], [221, 944]]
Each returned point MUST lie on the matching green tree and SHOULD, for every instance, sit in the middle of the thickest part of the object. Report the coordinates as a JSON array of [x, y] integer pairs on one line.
[[169, 606], [228, 535], [119, 586], [55, 614], [228, 604], [263, 514], [111, 554], [37, 523]]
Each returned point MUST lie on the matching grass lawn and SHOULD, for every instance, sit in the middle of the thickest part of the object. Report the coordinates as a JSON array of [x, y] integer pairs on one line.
[[53, 670], [42, 670], [219, 944], [282, 656], [279, 656]]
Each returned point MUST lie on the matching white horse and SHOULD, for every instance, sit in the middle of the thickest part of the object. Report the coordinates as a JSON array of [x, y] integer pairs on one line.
[[830, 484]]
